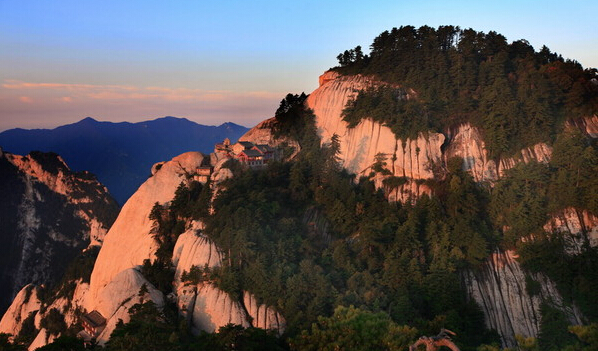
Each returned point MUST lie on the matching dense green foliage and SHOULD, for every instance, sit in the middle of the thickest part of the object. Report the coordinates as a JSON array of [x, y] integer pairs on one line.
[[304, 237], [350, 328], [516, 95], [53, 322], [152, 329]]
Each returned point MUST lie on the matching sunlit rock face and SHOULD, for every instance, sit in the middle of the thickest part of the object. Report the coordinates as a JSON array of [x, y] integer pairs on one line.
[[587, 125], [204, 305], [129, 240], [48, 215], [116, 298], [24, 303], [466, 142], [580, 226], [415, 159]]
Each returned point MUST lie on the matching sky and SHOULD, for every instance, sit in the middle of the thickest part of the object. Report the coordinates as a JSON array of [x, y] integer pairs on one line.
[[219, 61]]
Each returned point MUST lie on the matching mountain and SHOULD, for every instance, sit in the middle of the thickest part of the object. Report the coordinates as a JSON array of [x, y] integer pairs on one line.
[[409, 199], [49, 215], [122, 269], [120, 153], [499, 287]]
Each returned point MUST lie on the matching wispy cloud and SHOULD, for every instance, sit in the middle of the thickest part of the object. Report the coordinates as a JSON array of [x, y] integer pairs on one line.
[[30, 104], [126, 92]]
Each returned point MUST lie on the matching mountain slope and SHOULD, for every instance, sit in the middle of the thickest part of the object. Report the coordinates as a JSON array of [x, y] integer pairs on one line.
[[120, 154], [123, 269], [498, 286]]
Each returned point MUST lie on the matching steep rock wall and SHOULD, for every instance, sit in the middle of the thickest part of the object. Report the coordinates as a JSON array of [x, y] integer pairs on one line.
[[120, 295], [205, 306], [23, 304], [194, 249], [129, 240], [499, 287], [466, 142], [360, 145], [48, 214], [581, 226]]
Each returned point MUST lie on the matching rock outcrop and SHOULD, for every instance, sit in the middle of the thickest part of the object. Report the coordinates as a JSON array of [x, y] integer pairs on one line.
[[129, 241], [467, 143], [580, 226], [262, 134], [204, 305], [25, 303], [116, 298], [587, 125], [48, 215], [194, 249], [499, 287]]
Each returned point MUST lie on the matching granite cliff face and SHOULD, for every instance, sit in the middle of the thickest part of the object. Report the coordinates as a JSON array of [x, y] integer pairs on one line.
[[48, 215], [204, 305], [116, 281], [499, 287], [25, 303], [414, 159], [129, 241]]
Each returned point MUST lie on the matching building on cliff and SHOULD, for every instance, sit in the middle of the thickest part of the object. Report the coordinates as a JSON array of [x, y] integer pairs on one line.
[[253, 155], [93, 324]]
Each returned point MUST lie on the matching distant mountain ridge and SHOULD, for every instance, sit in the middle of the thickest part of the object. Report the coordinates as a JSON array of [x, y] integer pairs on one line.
[[120, 154]]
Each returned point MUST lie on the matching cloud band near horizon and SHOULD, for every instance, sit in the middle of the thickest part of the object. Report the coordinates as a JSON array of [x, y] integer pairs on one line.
[[55, 104]]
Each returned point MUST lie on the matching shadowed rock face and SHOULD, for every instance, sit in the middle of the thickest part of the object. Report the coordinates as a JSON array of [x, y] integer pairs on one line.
[[48, 214], [499, 287]]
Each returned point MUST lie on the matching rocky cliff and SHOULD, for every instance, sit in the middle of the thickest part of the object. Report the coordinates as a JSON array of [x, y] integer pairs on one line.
[[116, 282], [203, 304], [498, 287], [412, 158], [129, 241], [48, 215]]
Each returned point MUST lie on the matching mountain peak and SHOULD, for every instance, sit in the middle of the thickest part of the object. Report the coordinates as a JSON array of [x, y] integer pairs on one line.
[[88, 120]]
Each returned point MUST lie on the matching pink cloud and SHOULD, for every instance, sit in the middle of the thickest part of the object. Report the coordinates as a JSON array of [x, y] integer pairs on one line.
[[25, 99], [125, 92]]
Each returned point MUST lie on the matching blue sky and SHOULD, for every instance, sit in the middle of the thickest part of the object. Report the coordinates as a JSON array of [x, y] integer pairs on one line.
[[218, 61]]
